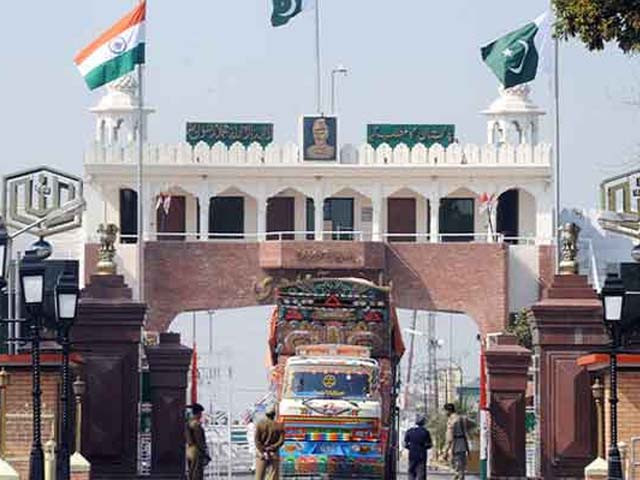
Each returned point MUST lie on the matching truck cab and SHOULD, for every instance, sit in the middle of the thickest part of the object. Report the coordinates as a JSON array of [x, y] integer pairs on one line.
[[331, 409]]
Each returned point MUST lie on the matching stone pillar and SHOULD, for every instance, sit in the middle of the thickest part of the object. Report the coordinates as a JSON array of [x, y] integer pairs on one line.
[[261, 223], [203, 200], [168, 370], [567, 324], [434, 217], [507, 375], [107, 335], [318, 211], [376, 226]]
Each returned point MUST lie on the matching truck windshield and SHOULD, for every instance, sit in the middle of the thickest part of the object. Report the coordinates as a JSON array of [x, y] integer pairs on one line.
[[330, 385]]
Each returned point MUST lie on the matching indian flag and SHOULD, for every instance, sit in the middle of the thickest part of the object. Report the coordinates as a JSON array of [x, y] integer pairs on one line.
[[116, 52]]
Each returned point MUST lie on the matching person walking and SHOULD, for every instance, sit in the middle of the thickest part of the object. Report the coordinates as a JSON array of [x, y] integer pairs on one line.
[[269, 439], [197, 451], [418, 441], [457, 446]]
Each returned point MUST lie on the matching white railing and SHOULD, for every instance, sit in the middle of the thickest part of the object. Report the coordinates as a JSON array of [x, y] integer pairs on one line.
[[290, 154], [333, 235]]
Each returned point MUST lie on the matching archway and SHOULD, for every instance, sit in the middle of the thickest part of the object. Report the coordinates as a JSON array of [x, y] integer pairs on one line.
[[516, 215]]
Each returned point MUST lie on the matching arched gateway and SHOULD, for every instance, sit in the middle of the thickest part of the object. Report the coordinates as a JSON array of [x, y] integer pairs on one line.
[[472, 277], [223, 225]]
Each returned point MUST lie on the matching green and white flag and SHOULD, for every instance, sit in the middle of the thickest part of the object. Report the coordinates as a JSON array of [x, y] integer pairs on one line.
[[515, 57], [285, 10]]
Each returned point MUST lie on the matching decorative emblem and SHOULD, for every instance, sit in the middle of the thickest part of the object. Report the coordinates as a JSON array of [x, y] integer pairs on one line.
[[108, 235], [329, 381], [35, 194], [118, 45]]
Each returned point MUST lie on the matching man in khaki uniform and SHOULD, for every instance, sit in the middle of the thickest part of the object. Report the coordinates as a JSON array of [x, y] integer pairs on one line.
[[457, 447], [197, 452], [269, 438]]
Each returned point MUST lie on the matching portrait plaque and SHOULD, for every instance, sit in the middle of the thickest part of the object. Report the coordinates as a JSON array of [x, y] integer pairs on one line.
[[319, 138]]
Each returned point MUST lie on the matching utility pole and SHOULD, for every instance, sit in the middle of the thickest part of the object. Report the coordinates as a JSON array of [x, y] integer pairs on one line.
[[432, 354]]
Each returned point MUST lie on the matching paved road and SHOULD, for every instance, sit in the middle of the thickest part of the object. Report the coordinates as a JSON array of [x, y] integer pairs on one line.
[[440, 476]]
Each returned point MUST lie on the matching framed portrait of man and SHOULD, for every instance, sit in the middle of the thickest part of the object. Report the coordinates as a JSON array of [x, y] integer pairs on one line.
[[319, 138]]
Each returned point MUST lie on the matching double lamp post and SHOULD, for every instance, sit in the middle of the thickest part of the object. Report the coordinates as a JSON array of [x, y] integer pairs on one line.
[[33, 288], [621, 323]]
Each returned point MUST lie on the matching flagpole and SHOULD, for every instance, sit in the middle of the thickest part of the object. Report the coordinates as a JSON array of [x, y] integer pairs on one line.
[[140, 186], [556, 103], [318, 67]]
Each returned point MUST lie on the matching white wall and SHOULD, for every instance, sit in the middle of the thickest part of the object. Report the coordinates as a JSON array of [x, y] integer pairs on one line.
[[523, 276]]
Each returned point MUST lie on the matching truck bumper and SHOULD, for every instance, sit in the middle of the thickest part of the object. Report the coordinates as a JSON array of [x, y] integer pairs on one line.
[[331, 460]]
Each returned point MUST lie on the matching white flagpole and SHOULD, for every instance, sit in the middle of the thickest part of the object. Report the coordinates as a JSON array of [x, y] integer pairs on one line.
[[556, 109], [140, 182], [140, 187], [318, 66]]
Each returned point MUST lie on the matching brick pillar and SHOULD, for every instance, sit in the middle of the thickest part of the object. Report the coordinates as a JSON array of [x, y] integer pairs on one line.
[[507, 376], [567, 324], [168, 369], [107, 335]]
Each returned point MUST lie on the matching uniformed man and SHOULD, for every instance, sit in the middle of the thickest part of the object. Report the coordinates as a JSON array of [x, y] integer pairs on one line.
[[418, 441], [197, 451], [457, 447], [269, 439]]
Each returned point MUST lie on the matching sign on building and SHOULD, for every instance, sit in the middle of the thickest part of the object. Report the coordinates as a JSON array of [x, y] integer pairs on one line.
[[320, 138], [229, 133], [620, 204], [39, 193], [410, 135]]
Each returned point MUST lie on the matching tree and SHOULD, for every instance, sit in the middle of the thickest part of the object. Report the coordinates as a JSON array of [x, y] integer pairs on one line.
[[520, 326], [596, 22]]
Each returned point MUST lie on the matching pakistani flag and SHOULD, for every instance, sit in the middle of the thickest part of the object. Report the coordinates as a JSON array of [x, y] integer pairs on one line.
[[285, 10], [514, 57]]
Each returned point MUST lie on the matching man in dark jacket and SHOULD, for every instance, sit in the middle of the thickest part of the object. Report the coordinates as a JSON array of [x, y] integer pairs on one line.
[[418, 440]]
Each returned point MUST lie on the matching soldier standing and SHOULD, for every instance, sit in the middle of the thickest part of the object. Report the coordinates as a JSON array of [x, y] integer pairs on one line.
[[197, 451], [269, 439], [457, 448]]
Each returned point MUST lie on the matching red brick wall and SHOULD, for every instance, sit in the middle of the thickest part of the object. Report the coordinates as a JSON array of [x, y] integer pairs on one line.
[[628, 407], [20, 419], [463, 277], [469, 278], [546, 267]]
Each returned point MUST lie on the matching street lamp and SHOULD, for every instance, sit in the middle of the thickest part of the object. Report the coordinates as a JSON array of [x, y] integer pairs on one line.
[[340, 69], [613, 300], [66, 302], [79, 388], [32, 273]]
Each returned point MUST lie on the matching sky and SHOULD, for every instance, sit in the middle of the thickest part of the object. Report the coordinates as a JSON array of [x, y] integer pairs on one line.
[[409, 61]]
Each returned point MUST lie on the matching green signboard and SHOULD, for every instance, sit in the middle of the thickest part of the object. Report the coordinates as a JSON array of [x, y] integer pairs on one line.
[[230, 133], [410, 135]]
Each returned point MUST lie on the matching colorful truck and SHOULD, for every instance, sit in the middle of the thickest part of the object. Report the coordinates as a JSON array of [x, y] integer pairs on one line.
[[335, 345]]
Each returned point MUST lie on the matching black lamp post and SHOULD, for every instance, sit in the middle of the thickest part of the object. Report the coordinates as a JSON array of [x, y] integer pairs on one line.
[[66, 301], [613, 300], [32, 275]]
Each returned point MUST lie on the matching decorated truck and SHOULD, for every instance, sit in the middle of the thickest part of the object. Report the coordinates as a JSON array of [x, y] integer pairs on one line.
[[335, 345]]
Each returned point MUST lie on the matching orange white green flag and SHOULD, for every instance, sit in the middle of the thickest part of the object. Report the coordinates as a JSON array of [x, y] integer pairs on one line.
[[116, 52]]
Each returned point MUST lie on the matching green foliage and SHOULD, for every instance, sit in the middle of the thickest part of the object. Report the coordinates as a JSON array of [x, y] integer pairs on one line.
[[520, 326], [596, 22]]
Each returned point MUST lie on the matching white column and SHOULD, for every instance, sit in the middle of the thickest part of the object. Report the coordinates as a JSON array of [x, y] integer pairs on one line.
[[544, 219], [318, 211], [376, 222], [491, 234], [261, 211], [150, 196], [434, 219], [203, 200]]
